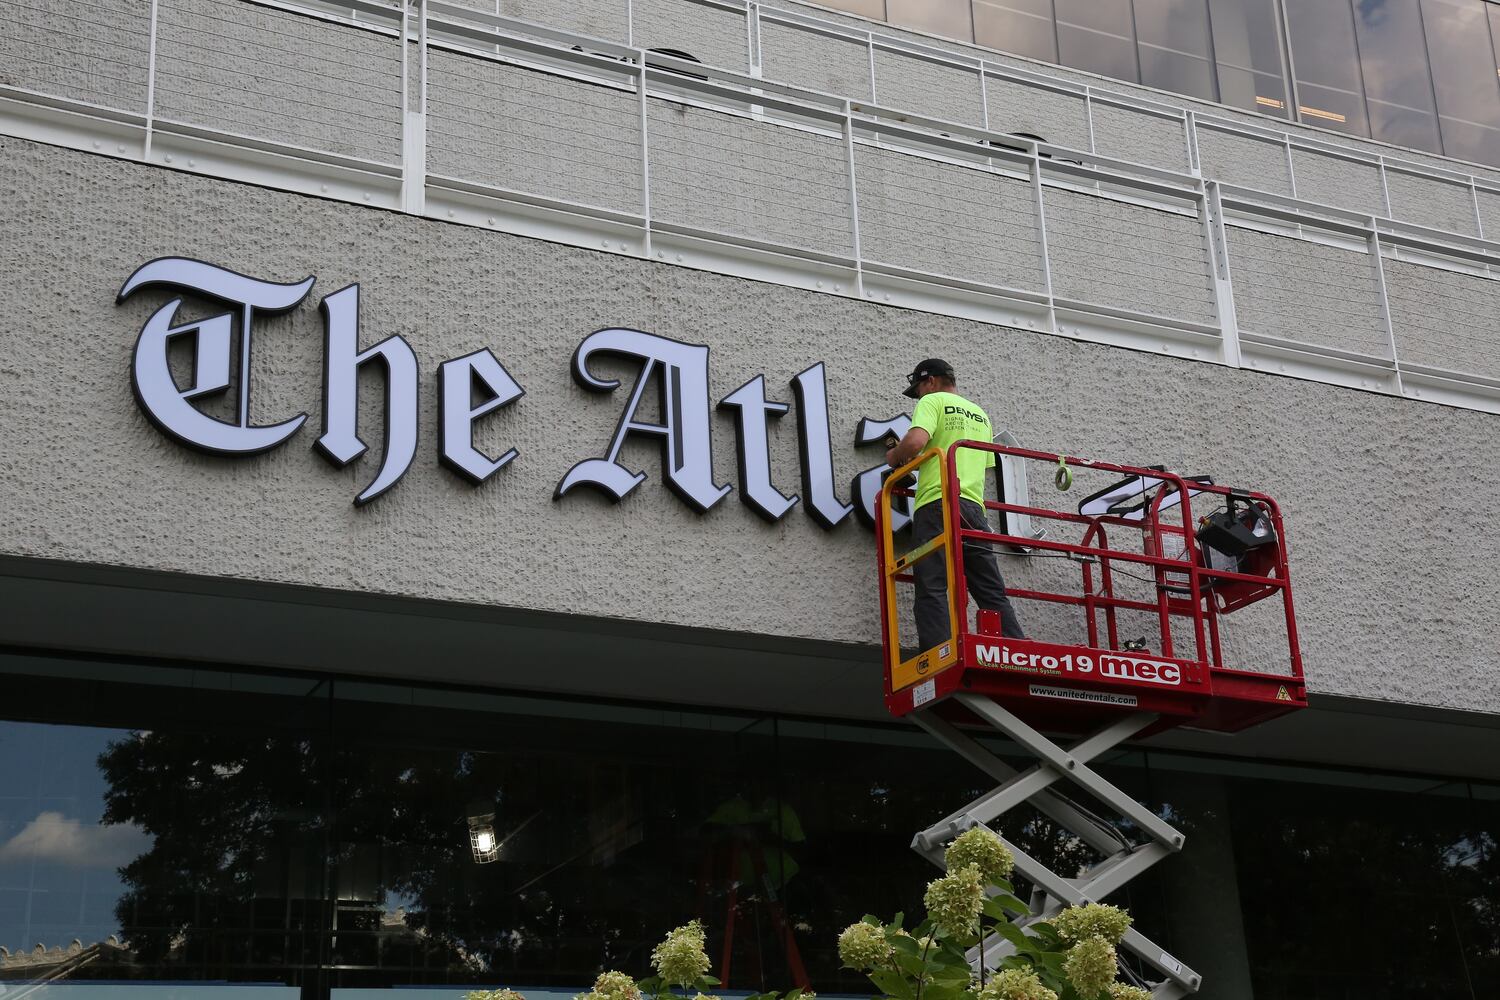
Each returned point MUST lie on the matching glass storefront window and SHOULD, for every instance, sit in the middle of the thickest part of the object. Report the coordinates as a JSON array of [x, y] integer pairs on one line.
[[313, 834], [1098, 36], [1025, 27]]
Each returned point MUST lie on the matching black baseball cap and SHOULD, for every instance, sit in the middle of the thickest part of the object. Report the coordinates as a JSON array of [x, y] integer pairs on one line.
[[932, 366]]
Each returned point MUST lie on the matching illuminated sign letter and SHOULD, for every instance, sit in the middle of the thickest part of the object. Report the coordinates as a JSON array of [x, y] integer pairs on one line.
[[752, 411], [342, 359], [457, 381], [687, 453], [866, 485], [823, 504], [156, 390]]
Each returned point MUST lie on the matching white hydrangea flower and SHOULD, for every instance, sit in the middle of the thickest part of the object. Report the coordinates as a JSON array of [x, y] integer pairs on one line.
[[981, 847], [680, 959], [1016, 984], [955, 901], [1092, 920], [1090, 967], [863, 946]]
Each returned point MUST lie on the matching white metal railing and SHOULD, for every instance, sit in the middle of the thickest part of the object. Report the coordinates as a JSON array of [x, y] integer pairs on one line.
[[810, 197]]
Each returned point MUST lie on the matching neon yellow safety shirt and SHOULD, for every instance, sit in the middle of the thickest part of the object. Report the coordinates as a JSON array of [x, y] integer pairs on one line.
[[948, 417]]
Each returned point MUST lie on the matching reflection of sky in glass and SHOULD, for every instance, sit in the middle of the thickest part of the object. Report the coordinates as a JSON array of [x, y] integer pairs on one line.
[[58, 866]]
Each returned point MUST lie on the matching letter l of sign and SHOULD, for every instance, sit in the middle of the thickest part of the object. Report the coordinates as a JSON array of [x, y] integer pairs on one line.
[[457, 380], [752, 411], [811, 387], [156, 390], [342, 359]]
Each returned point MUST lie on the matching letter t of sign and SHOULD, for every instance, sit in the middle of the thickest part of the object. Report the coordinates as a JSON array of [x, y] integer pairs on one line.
[[342, 359]]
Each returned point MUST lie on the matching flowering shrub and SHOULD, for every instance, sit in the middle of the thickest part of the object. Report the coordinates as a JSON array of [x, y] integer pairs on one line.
[[1070, 958], [680, 959]]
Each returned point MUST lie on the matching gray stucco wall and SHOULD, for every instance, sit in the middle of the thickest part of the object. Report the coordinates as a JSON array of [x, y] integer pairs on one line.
[[1385, 570]]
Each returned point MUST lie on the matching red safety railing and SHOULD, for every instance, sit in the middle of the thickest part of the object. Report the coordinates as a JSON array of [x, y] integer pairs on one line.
[[1181, 673]]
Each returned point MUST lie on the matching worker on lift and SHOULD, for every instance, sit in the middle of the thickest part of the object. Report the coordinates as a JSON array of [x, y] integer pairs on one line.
[[942, 417]]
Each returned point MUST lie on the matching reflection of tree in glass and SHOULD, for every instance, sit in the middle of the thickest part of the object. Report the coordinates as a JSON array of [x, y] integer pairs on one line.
[[232, 823], [271, 853]]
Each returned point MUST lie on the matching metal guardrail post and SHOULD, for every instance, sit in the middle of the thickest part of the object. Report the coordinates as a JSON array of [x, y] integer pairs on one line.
[[1041, 236], [859, 257], [414, 120], [1211, 210], [1373, 242], [150, 83], [643, 108]]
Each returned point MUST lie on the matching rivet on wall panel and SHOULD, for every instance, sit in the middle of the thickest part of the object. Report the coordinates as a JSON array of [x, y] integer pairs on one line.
[[168, 157]]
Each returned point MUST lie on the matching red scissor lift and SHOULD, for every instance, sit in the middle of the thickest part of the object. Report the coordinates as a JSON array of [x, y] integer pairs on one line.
[[1105, 688]]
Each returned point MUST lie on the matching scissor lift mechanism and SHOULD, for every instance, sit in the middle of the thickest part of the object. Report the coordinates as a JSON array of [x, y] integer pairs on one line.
[[1101, 690]]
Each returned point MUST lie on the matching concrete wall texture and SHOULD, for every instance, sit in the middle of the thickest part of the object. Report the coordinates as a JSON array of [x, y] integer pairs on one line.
[[1386, 552]]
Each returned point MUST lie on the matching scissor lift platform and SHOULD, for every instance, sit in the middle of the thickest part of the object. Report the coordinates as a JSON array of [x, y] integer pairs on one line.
[[1104, 688]]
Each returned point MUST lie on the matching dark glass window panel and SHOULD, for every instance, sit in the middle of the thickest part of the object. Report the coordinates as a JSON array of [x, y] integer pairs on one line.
[[1404, 126], [1327, 107], [1247, 47], [1173, 36], [1181, 25], [1011, 27], [1468, 141], [1177, 72], [949, 18], [1098, 36], [1325, 58], [1463, 74], [1109, 16], [1398, 82], [869, 8]]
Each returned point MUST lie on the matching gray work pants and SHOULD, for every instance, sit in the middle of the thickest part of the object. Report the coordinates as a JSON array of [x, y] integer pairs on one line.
[[981, 574]]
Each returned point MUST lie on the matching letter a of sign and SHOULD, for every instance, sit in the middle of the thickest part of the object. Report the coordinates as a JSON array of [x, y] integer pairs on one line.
[[687, 453], [342, 359], [156, 390]]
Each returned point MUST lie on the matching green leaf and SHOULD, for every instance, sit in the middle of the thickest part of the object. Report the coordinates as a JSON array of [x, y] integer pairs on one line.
[[1013, 903], [912, 965], [709, 981], [904, 944], [870, 918], [893, 984], [898, 918], [1014, 935]]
